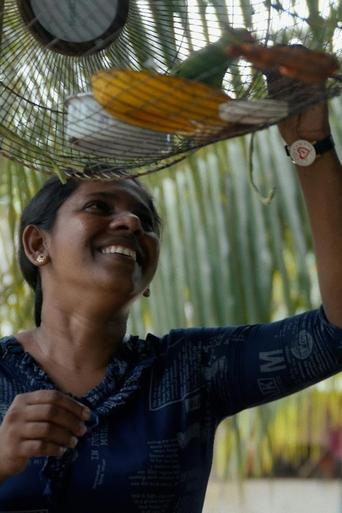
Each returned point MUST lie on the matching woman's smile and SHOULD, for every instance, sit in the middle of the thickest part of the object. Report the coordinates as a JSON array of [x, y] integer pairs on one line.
[[119, 250], [127, 245]]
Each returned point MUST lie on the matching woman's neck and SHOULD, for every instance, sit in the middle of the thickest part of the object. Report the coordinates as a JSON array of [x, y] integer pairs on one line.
[[76, 342]]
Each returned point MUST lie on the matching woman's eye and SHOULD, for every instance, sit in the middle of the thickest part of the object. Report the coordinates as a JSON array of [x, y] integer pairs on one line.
[[98, 206], [146, 222], [101, 207]]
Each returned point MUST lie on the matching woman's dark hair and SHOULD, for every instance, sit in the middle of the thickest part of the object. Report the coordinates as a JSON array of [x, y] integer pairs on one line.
[[41, 212]]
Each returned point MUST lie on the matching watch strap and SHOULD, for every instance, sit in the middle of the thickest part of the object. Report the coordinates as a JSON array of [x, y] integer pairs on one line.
[[321, 146]]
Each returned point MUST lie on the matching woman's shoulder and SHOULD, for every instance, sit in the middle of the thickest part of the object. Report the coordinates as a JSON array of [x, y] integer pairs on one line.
[[6, 339], [16, 342], [21, 338]]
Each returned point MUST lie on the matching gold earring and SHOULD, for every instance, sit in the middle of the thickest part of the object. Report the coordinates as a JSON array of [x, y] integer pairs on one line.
[[147, 293], [41, 259]]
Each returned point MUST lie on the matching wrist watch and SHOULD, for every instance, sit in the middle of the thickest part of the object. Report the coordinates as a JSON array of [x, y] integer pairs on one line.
[[304, 153]]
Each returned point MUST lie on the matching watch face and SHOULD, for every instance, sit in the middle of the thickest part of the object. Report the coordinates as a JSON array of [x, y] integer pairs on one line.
[[302, 153], [75, 27]]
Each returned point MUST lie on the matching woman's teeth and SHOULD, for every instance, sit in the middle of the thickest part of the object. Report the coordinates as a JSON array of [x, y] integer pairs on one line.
[[121, 250]]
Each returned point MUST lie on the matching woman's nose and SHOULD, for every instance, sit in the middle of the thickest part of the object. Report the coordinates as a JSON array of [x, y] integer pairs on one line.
[[126, 221]]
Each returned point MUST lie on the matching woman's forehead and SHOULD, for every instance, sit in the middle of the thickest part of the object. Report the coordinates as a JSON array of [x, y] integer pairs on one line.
[[112, 189]]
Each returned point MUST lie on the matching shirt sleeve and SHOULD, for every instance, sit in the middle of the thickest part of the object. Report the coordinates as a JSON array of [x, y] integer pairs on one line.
[[245, 366]]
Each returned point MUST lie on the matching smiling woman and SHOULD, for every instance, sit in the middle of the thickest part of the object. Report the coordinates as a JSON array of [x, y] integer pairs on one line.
[[93, 205], [92, 418]]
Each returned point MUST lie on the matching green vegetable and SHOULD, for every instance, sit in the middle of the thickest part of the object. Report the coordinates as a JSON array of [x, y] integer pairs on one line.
[[209, 64]]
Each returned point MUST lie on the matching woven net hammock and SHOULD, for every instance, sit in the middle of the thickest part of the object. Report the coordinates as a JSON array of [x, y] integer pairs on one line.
[[105, 81]]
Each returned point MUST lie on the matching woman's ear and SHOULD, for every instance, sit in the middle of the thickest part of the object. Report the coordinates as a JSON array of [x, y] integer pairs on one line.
[[34, 242]]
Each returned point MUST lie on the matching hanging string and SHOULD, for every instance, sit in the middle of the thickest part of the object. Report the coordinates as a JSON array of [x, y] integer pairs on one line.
[[265, 200]]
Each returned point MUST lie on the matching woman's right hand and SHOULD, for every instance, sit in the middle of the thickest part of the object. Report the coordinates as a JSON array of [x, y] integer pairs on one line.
[[40, 423]]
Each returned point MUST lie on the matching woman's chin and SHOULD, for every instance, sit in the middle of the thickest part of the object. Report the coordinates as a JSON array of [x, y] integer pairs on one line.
[[120, 287]]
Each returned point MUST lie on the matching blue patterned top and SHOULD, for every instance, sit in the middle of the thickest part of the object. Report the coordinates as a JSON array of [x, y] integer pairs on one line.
[[149, 444]]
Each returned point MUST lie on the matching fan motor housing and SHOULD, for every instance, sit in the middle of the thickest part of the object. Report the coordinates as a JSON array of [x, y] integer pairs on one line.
[[75, 27]]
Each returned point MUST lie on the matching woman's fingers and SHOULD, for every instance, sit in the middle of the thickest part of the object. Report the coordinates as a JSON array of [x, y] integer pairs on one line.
[[47, 432], [59, 399], [40, 423], [50, 406], [313, 76], [38, 448], [56, 416], [294, 61]]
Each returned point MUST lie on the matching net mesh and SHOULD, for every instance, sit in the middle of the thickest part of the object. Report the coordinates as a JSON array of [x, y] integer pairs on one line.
[[51, 121]]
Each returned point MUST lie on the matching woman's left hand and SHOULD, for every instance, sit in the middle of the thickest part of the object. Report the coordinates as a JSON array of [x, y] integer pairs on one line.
[[293, 61]]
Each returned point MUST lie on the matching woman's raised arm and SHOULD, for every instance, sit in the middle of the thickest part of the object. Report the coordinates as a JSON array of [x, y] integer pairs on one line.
[[321, 183], [297, 72]]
